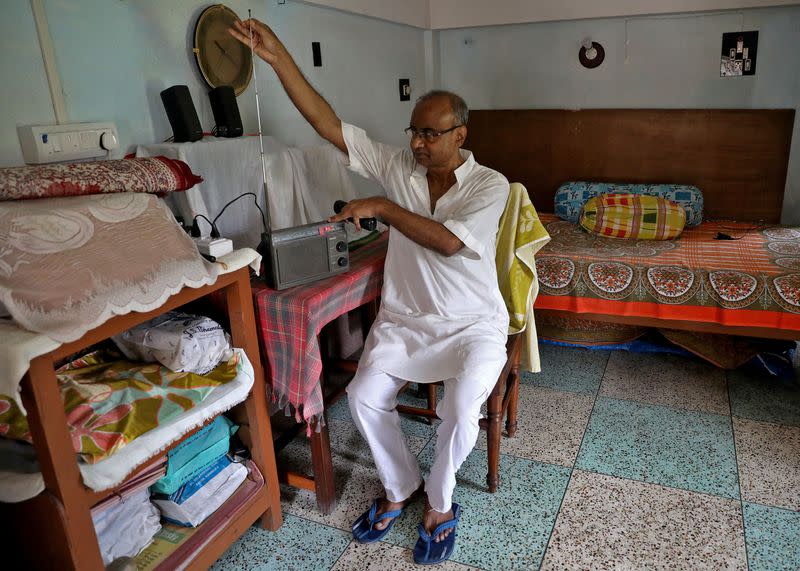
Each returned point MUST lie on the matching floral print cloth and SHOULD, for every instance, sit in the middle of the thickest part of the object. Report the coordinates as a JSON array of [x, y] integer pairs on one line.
[[752, 280], [109, 401]]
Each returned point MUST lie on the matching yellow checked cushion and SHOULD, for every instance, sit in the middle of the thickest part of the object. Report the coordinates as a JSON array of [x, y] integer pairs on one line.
[[634, 216]]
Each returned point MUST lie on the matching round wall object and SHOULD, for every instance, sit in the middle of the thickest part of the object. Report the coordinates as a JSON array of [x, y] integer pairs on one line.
[[222, 59], [592, 57]]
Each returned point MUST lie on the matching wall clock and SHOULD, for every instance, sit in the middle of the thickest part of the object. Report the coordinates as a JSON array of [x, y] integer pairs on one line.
[[221, 58]]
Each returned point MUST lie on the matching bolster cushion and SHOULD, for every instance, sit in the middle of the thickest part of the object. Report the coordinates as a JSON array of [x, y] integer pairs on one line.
[[571, 196], [633, 216]]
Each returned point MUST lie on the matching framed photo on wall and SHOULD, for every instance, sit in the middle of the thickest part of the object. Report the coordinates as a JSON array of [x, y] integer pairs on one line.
[[738, 54]]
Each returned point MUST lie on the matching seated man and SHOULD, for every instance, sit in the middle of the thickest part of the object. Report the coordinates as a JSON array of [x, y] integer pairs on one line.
[[442, 316]]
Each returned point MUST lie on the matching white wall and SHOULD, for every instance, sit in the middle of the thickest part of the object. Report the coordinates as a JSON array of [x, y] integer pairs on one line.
[[411, 12], [445, 14], [655, 62], [467, 13]]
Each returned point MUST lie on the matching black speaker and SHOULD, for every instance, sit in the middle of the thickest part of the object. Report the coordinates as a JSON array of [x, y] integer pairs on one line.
[[181, 114], [226, 111]]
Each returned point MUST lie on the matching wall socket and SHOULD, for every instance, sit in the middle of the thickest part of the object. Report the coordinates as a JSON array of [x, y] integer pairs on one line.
[[405, 90]]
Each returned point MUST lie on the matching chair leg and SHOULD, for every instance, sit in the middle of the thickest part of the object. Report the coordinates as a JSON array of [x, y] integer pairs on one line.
[[433, 396], [494, 411], [513, 398]]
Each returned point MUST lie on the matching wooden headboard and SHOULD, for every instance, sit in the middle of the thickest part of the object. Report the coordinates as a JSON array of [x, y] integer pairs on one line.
[[737, 158]]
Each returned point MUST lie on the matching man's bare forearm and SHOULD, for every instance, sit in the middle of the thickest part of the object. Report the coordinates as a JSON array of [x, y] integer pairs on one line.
[[424, 231]]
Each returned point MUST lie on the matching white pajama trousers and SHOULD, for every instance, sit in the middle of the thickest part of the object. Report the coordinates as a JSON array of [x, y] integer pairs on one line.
[[373, 397]]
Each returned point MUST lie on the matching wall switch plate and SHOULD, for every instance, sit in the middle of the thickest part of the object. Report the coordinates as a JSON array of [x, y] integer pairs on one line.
[[67, 142], [405, 90]]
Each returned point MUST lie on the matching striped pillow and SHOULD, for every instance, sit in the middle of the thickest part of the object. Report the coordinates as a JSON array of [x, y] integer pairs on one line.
[[633, 216]]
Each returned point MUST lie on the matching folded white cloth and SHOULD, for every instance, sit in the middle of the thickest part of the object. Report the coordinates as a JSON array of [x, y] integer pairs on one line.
[[202, 496], [125, 528], [238, 259]]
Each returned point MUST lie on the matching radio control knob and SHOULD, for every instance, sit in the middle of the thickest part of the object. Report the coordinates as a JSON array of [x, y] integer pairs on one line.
[[342, 261], [341, 246]]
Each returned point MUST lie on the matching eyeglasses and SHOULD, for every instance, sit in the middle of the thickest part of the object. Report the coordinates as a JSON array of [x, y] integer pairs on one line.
[[428, 135]]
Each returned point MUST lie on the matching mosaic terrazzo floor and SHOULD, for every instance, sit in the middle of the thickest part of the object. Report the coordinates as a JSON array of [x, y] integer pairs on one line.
[[622, 461]]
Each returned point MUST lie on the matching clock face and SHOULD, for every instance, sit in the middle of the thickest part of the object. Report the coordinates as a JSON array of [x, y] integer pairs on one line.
[[221, 58]]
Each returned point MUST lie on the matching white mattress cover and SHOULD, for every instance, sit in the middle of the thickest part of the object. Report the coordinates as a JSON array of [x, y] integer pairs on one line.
[[20, 346]]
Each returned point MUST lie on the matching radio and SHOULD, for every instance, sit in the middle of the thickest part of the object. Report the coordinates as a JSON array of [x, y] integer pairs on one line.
[[303, 254], [300, 254]]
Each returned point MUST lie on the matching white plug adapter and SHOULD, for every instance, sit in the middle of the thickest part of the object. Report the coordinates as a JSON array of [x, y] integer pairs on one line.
[[215, 247]]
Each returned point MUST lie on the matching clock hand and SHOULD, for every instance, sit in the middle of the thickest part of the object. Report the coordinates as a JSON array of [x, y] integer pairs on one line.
[[224, 52]]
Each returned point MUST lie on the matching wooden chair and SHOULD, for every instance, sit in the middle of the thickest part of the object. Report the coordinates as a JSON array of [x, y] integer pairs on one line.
[[502, 401]]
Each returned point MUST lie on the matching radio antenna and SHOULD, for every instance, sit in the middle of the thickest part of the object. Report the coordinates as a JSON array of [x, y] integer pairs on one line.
[[268, 220]]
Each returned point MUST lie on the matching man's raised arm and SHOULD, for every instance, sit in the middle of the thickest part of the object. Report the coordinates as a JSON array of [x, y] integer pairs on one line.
[[311, 104]]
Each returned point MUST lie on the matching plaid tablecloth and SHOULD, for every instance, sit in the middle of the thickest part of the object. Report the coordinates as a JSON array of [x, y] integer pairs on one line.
[[290, 321]]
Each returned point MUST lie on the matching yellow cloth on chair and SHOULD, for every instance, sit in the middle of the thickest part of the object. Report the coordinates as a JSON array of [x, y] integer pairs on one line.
[[519, 238]]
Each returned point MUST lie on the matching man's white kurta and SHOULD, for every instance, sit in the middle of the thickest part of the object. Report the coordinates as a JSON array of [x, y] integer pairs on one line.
[[440, 316]]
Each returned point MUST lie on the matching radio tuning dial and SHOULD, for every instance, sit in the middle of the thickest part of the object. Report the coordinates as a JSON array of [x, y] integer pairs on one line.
[[341, 246], [342, 261]]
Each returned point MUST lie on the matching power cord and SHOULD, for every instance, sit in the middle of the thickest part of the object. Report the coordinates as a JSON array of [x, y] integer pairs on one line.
[[255, 199], [735, 232], [263, 245], [195, 231]]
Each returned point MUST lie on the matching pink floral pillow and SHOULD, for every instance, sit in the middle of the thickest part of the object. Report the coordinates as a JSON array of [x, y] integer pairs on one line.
[[154, 175]]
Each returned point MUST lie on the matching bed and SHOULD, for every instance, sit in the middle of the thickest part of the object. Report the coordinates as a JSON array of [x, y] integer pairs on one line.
[[749, 285]]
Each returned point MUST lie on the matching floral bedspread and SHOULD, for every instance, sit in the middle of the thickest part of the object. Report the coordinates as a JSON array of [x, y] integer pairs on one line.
[[750, 280], [109, 401]]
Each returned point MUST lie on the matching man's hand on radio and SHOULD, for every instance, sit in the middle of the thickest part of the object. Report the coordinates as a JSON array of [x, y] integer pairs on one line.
[[359, 208]]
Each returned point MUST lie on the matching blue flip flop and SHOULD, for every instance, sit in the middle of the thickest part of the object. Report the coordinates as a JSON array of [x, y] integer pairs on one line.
[[429, 552], [364, 527]]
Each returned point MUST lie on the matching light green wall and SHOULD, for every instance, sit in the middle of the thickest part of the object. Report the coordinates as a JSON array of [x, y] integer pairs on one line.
[[115, 57], [24, 95]]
